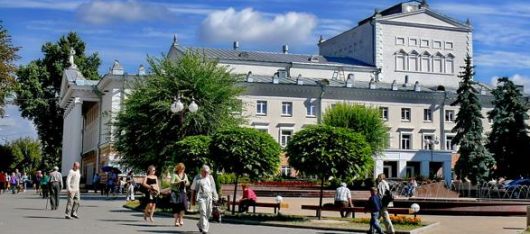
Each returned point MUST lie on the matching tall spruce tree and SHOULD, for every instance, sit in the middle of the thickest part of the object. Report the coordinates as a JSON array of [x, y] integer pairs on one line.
[[509, 141], [475, 160], [39, 84]]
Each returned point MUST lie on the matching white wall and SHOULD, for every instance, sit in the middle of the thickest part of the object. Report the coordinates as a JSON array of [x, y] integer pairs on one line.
[[356, 43]]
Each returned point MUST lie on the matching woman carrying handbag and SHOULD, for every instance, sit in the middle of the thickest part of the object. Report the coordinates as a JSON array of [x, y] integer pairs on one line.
[[179, 199]]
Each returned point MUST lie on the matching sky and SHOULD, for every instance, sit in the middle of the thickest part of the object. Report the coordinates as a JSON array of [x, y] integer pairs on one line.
[[129, 30]]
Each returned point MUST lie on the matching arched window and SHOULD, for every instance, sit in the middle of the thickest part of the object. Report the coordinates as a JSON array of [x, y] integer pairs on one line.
[[450, 64], [400, 60], [438, 63], [426, 62], [414, 63]]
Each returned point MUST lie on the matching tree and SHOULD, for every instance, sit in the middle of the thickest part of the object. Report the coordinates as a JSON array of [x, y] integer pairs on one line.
[[147, 131], [509, 141], [26, 154], [475, 161], [194, 151], [245, 151], [39, 84], [361, 119], [6, 157], [8, 55], [329, 151]]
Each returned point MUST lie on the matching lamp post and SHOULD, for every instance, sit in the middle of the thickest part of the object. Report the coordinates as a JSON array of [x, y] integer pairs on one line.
[[178, 106], [432, 142], [414, 209], [323, 86], [279, 200]]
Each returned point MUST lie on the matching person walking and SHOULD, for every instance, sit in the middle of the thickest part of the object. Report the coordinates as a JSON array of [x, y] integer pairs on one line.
[[103, 183], [374, 207], [111, 184], [179, 181], [38, 178], [412, 186], [249, 198], [382, 188], [44, 184], [72, 190], [3, 182], [95, 182], [150, 183], [203, 191], [130, 186], [24, 180], [56, 184], [343, 199], [13, 181], [19, 180]]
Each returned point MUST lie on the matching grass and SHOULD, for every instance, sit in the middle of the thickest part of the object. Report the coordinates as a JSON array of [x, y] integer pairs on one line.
[[292, 220]]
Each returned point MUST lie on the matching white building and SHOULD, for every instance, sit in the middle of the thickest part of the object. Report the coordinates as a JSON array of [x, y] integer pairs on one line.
[[404, 60]]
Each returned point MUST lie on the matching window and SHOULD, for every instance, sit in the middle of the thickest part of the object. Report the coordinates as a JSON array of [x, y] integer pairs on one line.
[[405, 114], [449, 143], [261, 108], [427, 115], [450, 64], [413, 42], [287, 108], [285, 136], [400, 61], [438, 63], [400, 41], [413, 61], [286, 170], [450, 115], [426, 62], [424, 43], [311, 111], [384, 113], [448, 45], [426, 144], [406, 141], [437, 44]]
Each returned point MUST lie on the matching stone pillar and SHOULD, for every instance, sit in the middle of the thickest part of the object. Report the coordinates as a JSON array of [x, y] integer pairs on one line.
[[378, 169], [424, 168], [72, 142], [528, 217], [402, 168], [447, 173]]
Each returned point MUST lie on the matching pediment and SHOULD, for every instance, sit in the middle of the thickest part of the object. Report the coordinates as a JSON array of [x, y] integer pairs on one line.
[[425, 17]]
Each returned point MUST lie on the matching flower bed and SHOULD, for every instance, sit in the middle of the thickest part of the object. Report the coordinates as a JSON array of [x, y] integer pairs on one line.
[[396, 219]]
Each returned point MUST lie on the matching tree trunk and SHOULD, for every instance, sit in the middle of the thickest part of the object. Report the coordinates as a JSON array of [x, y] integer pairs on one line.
[[321, 196], [235, 194]]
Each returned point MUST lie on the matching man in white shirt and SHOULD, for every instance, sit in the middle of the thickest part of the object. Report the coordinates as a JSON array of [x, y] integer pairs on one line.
[[72, 189], [343, 199], [204, 191]]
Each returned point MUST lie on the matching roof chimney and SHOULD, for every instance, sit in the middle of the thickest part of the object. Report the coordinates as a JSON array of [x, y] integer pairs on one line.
[[285, 49], [417, 87], [371, 85], [236, 45], [377, 13], [468, 22], [299, 80], [321, 39], [175, 41], [250, 79], [406, 81], [116, 68], [424, 4], [350, 82], [394, 85], [141, 70]]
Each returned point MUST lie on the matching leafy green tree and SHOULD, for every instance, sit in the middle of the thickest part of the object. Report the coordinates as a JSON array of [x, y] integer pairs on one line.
[[475, 160], [361, 119], [147, 131], [509, 141], [194, 151], [8, 55], [39, 85], [245, 151], [26, 154], [327, 151]]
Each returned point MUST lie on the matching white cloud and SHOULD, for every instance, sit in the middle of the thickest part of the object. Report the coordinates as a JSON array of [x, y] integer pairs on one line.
[[252, 26], [40, 4], [517, 79], [503, 59], [101, 12]]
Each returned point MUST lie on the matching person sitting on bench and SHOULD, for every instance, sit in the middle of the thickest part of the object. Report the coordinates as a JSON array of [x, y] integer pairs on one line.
[[249, 199], [343, 199]]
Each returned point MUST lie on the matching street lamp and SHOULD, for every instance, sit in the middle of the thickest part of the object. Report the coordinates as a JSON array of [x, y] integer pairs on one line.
[[178, 106], [279, 200], [323, 84], [414, 209]]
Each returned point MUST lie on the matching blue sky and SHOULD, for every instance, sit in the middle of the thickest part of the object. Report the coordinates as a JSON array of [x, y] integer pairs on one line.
[[129, 30]]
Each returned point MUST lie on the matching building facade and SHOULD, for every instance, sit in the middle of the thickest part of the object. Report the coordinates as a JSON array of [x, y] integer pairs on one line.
[[404, 60]]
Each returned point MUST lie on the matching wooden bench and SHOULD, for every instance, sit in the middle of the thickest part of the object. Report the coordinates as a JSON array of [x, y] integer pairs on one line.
[[274, 205], [352, 210]]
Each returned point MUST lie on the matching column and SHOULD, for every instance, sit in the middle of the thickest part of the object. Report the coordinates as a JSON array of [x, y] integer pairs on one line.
[[447, 173], [378, 169], [402, 168], [74, 123], [424, 168]]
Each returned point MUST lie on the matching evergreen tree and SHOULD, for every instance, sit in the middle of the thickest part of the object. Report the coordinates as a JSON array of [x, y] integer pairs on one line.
[[39, 85], [7, 67], [509, 141], [475, 160]]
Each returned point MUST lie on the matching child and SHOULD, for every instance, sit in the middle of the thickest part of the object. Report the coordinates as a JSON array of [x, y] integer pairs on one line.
[[374, 206]]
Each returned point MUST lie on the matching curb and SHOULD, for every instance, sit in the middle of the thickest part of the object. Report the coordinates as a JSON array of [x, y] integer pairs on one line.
[[419, 230]]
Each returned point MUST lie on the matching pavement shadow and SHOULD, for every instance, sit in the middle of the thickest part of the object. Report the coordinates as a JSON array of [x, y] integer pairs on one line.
[[120, 220], [169, 231], [144, 225], [42, 217], [23, 208]]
